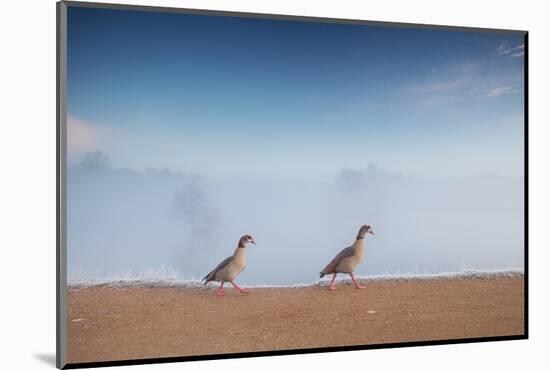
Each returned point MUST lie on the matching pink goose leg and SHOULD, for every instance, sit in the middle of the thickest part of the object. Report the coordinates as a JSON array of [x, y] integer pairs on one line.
[[239, 288], [219, 291], [330, 286], [357, 285]]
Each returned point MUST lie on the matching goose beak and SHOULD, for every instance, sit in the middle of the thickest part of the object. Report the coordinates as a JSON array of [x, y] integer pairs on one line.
[[253, 241], [372, 232]]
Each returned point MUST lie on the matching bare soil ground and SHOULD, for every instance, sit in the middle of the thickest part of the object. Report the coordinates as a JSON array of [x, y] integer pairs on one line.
[[108, 324]]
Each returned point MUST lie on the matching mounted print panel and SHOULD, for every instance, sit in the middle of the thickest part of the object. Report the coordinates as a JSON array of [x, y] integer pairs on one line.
[[237, 185]]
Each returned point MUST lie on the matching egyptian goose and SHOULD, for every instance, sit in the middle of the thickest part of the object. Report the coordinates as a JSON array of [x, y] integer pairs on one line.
[[231, 267], [348, 259]]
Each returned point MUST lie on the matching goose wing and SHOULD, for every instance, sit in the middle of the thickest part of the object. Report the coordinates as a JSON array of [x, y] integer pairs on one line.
[[344, 253], [212, 274]]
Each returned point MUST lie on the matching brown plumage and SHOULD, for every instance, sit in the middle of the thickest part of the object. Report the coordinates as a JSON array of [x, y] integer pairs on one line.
[[349, 258], [231, 267], [333, 265]]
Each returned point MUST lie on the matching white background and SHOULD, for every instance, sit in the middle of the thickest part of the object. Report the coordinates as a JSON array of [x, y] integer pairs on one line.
[[27, 196]]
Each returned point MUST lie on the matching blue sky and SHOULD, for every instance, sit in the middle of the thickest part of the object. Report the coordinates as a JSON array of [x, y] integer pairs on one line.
[[228, 96]]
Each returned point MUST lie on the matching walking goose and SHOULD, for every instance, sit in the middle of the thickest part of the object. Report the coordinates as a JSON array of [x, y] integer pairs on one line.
[[228, 270], [348, 259]]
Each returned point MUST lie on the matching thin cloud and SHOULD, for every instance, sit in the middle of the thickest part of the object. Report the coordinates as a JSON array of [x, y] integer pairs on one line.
[[81, 136], [505, 48], [456, 80], [501, 90], [441, 86], [456, 83], [515, 55], [465, 81]]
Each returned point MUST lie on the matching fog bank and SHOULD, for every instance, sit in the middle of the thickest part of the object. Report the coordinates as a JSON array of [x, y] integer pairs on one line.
[[122, 221]]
